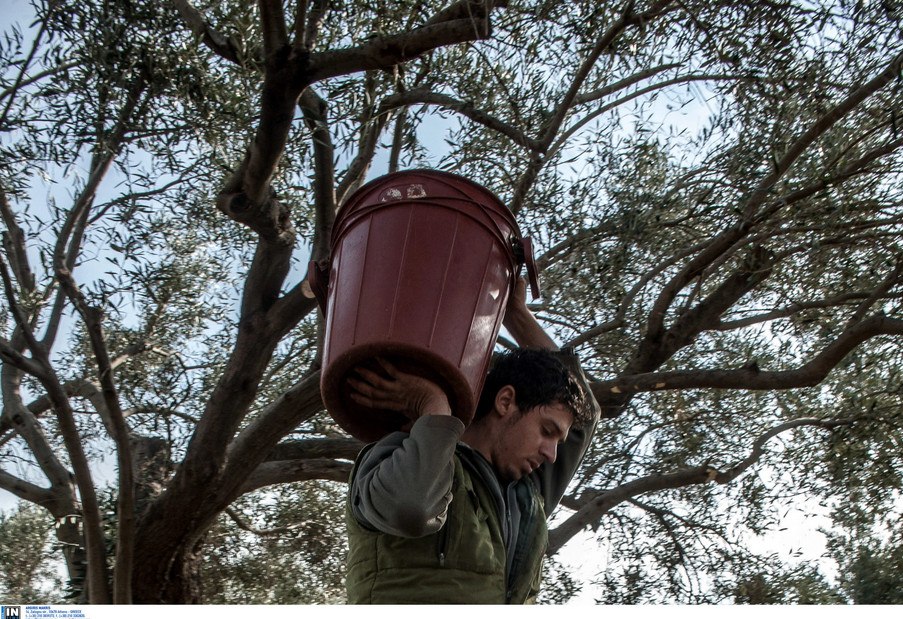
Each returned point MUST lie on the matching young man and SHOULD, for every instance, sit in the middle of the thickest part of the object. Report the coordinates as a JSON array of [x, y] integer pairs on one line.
[[446, 514]]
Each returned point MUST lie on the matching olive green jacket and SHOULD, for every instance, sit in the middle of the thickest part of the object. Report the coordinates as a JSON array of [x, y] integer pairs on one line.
[[465, 561]]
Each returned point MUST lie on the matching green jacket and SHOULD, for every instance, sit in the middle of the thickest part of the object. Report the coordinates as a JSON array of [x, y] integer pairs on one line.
[[466, 560]]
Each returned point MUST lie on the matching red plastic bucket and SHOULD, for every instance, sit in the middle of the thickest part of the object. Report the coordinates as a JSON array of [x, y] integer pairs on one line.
[[422, 264]]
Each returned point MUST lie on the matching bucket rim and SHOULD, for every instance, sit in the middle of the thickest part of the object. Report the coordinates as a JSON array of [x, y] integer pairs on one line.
[[340, 225], [500, 206]]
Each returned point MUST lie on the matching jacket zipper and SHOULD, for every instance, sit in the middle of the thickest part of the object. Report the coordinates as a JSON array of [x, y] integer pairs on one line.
[[509, 590], [442, 543]]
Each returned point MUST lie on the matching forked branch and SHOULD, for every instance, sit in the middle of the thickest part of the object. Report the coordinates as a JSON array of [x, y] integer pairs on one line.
[[591, 509]]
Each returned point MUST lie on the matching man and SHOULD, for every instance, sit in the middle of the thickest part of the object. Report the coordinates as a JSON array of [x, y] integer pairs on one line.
[[446, 514]]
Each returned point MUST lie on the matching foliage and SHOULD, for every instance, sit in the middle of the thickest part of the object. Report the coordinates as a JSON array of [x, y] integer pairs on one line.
[[714, 193], [27, 548], [294, 553], [558, 584], [869, 566], [800, 586]]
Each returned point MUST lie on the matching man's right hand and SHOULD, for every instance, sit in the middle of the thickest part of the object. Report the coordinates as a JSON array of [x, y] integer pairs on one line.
[[408, 394]]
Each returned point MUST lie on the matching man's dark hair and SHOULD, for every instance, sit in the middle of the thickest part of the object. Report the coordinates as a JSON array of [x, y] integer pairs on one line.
[[539, 378]]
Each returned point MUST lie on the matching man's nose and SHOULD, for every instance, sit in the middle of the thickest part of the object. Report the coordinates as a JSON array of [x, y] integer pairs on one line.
[[549, 451]]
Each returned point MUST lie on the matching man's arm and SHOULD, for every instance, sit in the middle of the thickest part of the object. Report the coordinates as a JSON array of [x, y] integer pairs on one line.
[[553, 479], [522, 324], [402, 484]]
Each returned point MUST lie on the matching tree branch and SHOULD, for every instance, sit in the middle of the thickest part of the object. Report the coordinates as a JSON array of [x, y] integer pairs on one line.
[[466, 9], [651, 353], [23, 423], [609, 228], [119, 431], [628, 81], [810, 374], [272, 25], [599, 505], [32, 366], [570, 131], [621, 313], [385, 52], [73, 229], [306, 449], [465, 108], [226, 47], [93, 526], [879, 292], [260, 437], [23, 67], [795, 308], [18, 360], [288, 310], [314, 110], [758, 446], [15, 414], [134, 196], [14, 246], [246, 196], [590, 510], [37, 77], [68, 243], [81, 387], [244, 526], [724, 240], [289, 471], [550, 130], [655, 324], [306, 34], [64, 256], [401, 120], [371, 128], [25, 490], [663, 514], [819, 127]]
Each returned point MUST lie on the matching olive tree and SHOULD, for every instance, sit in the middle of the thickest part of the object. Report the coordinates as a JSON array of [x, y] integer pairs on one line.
[[713, 189]]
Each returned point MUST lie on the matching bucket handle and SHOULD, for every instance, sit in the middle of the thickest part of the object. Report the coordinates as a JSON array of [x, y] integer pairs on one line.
[[523, 250], [318, 278]]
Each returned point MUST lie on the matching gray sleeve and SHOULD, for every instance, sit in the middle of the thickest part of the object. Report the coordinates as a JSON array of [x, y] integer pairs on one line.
[[553, 479], [402, 485]]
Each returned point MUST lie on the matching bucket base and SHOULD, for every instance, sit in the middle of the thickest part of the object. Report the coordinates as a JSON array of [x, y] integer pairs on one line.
[[371, 424]]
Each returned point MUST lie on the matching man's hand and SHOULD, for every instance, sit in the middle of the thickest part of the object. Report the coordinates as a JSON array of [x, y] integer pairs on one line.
[[408, 394]]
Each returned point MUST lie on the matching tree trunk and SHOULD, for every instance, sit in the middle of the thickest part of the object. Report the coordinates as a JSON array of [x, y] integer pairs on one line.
[[178, 583], [69, 535]]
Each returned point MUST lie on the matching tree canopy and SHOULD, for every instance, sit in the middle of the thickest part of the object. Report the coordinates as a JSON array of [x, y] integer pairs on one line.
[[714, 190]]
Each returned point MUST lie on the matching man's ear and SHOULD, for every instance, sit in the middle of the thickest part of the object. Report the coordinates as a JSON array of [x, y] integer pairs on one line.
[[504, 401]]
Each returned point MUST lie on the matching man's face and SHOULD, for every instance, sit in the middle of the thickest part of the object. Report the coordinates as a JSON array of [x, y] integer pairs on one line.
[[530, 439]]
